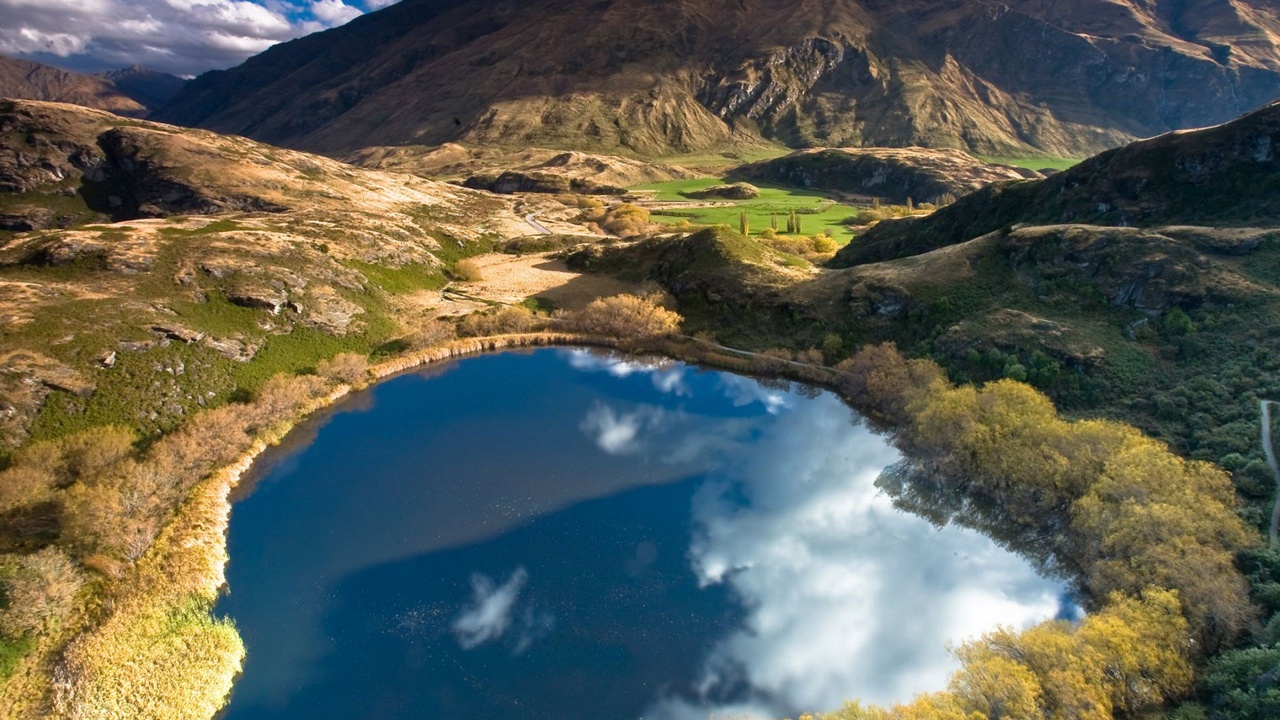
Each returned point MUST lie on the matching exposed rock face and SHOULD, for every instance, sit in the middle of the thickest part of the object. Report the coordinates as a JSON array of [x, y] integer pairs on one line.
[[892, 174], [678, 75], [103, 169], [1221, 176], [1014, 329]]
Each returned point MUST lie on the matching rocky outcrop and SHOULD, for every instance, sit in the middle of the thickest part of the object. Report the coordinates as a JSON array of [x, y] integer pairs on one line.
[[516, 181], [1138, 269], [678, 75], [76, 167], [891, 174], [732, 191]]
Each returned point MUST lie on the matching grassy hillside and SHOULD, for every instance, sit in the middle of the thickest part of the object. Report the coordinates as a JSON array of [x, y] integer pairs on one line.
[[1222, 176]]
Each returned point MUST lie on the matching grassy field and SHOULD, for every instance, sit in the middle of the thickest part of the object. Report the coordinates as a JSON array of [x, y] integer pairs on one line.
[[818, 212], [1033, 162]]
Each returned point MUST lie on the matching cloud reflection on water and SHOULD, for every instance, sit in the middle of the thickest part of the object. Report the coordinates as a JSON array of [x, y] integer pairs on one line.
[[489, 615], [848, 596], [621, 494]]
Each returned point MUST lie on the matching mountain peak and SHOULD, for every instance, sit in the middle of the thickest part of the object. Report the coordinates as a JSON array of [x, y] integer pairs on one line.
[[684, 75]]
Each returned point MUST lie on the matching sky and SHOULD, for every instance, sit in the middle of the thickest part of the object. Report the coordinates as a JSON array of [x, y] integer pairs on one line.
[[183, 37]]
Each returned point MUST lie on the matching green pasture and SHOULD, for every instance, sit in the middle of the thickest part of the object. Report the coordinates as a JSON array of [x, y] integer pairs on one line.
[[818, 212]]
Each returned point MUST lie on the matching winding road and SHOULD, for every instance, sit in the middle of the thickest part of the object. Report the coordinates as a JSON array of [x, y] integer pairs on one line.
[[1270, 451], [537, 226]]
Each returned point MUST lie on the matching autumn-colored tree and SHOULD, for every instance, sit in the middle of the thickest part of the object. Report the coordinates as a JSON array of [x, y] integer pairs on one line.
[[624, 316], [503, 321], [1155, 519], [1142, 644], [22, 486], [1071, 675], [346, 368], [432, 333], [994, 686], [878, 377], [39, 592], [626, 220]]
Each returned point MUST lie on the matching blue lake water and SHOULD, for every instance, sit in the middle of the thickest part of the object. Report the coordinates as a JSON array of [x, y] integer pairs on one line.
[[572, 535]]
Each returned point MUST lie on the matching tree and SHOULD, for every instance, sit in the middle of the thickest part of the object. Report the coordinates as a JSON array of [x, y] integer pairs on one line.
[[42, 590], [346, 368], [1142, 645], [23, 486], [1243, 684], [995, 687], [625, 316]]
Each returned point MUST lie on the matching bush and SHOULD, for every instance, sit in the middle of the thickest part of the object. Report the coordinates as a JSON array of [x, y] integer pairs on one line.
[[624, 316], [432, 333], [346, 368], [39, 592], [623, 219], [23, 486], [468, 270], [509, 320]]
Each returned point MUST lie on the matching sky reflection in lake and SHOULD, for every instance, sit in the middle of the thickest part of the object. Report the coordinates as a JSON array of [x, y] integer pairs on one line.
[[572, 535]]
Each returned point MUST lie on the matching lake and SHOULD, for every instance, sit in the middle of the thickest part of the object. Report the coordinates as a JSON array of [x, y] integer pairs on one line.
[[575, 535]]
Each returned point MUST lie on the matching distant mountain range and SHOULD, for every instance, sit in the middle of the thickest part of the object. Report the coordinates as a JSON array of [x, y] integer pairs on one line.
[[666, 76], [134, 91]]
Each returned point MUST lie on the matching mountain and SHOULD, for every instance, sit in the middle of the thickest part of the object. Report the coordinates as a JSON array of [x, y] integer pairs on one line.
[[25, 80], [149, 88], [657, 77], [134, 91], [1221, 176]]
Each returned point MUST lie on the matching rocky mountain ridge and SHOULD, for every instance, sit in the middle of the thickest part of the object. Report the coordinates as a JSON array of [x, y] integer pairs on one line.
[[133, 91], [656, 78]]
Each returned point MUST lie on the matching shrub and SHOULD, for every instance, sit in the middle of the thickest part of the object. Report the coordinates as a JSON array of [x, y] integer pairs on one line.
[[625, 316], [623, 219], [468, 270], [832, 348], [42, 590], [823, 244], [23, 486], [346, 368], [504, 321], [432, 333]]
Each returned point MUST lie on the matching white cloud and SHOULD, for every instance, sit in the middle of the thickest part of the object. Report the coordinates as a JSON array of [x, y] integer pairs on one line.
[[617, 433], [334, 12], [179, 36], [668, 376], [489, 615], [845, 595], [744, 391]]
